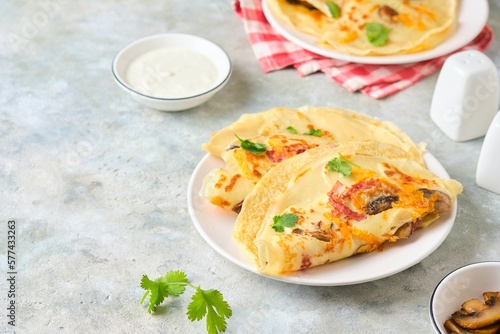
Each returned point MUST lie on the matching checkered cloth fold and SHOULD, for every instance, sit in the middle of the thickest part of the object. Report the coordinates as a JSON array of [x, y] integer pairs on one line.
[[274, 52]]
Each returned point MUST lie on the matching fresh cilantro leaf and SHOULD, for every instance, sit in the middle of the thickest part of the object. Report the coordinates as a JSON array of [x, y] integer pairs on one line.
[[209, 303], [333, 8], [172, 284], [341, 165], [314, 132], [146, 283], [251, 147], [174, 280], [204, 303], [291, 129], [377, 33], [285, 220], [155, 297]]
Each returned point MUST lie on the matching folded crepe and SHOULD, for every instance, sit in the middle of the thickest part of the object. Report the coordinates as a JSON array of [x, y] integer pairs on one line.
[[371, 27], [311, 209], [286, 133]]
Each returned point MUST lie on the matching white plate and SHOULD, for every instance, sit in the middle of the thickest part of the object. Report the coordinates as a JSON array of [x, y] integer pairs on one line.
[[472, 17], [216, 226]]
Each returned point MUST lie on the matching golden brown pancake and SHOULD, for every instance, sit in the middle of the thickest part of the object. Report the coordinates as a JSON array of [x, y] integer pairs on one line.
[[371, 27], [285, 133], [385, 197]]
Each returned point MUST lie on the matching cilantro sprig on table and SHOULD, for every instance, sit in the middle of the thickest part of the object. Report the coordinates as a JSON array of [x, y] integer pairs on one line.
[[341, 165], [204, 303], [251, 147]]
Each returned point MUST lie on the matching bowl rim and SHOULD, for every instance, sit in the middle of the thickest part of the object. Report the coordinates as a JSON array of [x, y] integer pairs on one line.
[[431, 309], [152, 36]]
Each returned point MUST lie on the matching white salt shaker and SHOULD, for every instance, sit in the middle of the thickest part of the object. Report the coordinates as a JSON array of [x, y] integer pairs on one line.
[[466, 95], [488, 166]]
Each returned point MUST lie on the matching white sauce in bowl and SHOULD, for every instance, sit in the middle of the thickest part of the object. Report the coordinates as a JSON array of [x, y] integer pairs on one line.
[[171, 73]]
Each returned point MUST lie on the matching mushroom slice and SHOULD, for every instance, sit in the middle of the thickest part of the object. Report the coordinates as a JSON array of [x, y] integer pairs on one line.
[[490, 329], [443, 204], [454, 328], [480, 319], [237, 207], [320, 236], [387, 13], [404, 231], [488, 294], [473, 305], [380, 204]]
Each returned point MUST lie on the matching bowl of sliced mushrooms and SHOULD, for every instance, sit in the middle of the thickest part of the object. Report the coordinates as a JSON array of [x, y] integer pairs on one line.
[[467, 300]]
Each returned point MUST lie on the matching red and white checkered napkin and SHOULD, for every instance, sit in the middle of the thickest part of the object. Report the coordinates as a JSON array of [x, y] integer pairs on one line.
[[274, 52]]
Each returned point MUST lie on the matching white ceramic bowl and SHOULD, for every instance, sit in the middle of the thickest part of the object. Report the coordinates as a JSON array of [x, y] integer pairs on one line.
[[464, 283], [190, 42]]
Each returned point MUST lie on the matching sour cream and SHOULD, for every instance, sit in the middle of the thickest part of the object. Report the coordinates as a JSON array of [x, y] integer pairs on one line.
[[171, 72]]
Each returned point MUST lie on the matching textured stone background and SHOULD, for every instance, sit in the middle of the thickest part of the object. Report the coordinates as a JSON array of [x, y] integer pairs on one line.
[[98, 184]]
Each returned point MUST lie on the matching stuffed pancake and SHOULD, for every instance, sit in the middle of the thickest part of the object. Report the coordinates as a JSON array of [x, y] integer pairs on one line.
[[371, 27], [282, 133], [332, 202]]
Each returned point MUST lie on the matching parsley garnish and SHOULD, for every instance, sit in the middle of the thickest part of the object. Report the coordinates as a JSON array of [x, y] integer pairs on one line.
[[314, 132], [251, 147], [341, 165], [285, 220], [333, 8], [377, 33], [204, 303], [291, 129]]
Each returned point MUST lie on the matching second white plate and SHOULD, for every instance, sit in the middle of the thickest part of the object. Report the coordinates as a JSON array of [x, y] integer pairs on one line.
[[472, 17], [216, 226]]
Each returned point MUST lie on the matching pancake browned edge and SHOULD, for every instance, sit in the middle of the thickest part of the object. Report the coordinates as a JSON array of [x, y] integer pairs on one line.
[[387, 196]]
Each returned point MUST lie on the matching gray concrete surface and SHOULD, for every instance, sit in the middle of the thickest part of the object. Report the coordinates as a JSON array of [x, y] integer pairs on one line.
[[97, 184]]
